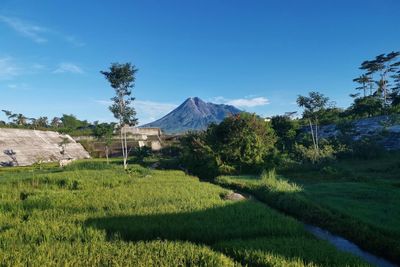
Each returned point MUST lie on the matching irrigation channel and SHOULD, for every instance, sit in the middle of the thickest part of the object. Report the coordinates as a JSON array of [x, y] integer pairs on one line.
[[338, 242], [345, 245]]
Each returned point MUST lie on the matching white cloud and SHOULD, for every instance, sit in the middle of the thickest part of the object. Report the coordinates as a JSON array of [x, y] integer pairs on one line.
[[104, 102], [37, 66], [72, 40], [18, 86], [246, 102], [8, 68], [147, 111], [31, 31], [37, 33], [68, 67]]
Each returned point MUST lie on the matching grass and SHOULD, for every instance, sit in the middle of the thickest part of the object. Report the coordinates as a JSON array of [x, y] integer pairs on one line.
[[367, 190], [345, 197], [91, 213]]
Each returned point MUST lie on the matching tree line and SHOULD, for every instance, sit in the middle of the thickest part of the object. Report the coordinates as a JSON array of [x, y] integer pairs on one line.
[[68, 124], [247, 143]]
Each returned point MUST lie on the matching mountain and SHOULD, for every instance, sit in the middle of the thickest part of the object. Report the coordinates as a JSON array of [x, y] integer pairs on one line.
[[192, 115]]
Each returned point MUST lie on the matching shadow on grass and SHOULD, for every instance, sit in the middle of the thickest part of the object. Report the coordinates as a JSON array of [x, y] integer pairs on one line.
[[243, 219], [247, 231]]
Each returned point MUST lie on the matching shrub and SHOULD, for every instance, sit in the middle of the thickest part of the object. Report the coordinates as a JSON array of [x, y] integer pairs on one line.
[[240, 144], [310, 155], [367, 148], [140, 153], [198, 157]]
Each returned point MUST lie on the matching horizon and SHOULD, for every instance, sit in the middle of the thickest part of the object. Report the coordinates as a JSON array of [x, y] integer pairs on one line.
[[255, 56]]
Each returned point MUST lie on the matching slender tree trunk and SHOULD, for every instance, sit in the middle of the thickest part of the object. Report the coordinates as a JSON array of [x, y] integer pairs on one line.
[[365, 89], [107, 155], [312, 135], [383, 81], [316, 135], [126, 151], [371, 87], [123, 133], [122, 146]]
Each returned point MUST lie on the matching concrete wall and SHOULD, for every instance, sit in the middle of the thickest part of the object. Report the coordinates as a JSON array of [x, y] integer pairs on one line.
[[31, 146], [144, 131]]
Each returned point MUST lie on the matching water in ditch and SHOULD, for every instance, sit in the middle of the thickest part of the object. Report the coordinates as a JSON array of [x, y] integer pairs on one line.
[[347, 246]]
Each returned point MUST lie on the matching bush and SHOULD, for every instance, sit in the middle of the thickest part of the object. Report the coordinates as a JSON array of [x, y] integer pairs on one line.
[[197, 157], [138, 170], [240, 144], [172, 150], [310, 155], [169, 164], [87, 165], [367, 148]]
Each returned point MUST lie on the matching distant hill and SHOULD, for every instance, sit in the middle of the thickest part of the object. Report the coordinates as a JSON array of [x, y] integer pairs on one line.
[[192, 115]]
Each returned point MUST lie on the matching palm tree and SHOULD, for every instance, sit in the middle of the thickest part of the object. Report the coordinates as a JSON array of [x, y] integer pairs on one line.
[[382, 64], [34, 123], [43, 122], [20, 119], [9, 114], [55, 122]]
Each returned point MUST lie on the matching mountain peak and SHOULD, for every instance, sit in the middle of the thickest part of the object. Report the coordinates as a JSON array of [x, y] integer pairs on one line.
[[192, 115], [195, 100]]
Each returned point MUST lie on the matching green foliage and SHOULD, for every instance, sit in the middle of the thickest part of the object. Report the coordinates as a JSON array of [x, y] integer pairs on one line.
[[366, 107], [367, 148], [309, 154], [140, 153], [71, 123], [122, 79], [198, 157], [137, 170], [88, 165], [286, 131], [103, 131], [90, 215], [68, 124], [330, 115], [314, 103], [381, 76], [345, 145], [240, 143]]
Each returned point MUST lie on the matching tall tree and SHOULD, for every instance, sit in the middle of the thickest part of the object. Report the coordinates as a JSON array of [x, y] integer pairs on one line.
[[55, 122], [43, 122], [364, 80], [20, 119], [313, 105], [122, 79], [286, 131], [395, 95], [383, 65]]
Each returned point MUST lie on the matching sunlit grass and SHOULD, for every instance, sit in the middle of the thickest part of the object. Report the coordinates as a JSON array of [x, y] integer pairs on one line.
[[91, 213], [365, 212]]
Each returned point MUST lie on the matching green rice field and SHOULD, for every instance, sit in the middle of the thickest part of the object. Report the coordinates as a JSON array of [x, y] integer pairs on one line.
[[90, 213]]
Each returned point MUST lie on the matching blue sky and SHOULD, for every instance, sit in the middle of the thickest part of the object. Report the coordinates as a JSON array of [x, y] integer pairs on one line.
[[257, 55]]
